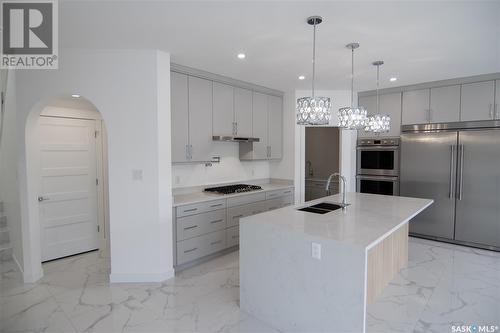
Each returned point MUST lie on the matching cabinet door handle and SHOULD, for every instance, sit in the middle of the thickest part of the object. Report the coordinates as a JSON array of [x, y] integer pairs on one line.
[[191, 227], [496, 111], [187, 152], [190, 210], [238, 216], [236, 128], [491, 112], [286, 192], [216, 205], [216, 221], [191, 250], [217, 242], [256, 212]]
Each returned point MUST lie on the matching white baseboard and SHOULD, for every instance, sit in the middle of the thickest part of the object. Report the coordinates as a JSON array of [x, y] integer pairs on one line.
[[32, 278], [135, 278]]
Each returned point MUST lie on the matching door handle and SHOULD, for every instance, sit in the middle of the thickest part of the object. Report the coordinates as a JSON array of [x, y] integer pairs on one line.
[[461, 172], [40, 199], [452, 169]]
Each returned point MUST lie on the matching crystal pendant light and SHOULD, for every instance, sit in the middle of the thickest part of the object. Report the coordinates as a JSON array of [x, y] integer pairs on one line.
[[378, 123], [351, 117], [313, 110]]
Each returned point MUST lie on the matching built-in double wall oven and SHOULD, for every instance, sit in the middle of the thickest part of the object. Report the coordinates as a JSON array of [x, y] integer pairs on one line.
[[378, 166]]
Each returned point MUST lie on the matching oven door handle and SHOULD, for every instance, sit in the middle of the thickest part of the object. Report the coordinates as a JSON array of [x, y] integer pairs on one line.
[[390, 179], [385, 148]]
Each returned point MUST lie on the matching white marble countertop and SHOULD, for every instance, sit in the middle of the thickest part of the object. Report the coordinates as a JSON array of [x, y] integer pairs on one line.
[[367, 220], [197, 197]]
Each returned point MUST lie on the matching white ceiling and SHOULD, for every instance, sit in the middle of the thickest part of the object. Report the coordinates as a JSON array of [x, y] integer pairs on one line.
[[418, 40]]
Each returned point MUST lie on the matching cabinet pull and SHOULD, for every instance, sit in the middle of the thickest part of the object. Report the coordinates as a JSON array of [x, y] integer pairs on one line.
[[191, 250], [286, 192], [190, 210], [216, 221], [217, 242], [191, 227], [491, 112], [217, 205], [256, 212], [272, 208], [496, 111], [236, 128], [237, 216]]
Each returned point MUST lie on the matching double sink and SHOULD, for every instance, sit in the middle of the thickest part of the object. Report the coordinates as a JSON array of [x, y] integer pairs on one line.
[[322, 208]]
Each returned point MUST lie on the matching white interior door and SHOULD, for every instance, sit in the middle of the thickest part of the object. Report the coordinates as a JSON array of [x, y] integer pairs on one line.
[[68, 191]]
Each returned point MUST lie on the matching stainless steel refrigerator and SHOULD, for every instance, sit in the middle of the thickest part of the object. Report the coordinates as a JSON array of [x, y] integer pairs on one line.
[[457, 165]]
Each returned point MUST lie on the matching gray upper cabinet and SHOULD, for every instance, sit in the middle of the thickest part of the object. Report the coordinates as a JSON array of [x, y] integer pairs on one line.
[[444, 104], [200, 118], [223, 109], [478, 101], [390, 104], [275, 128], [259, 108], [416, 107], [179, 114], [497, 99], [243, 112]]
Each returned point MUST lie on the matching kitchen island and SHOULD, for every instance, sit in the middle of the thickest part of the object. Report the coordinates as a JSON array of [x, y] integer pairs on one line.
[[302, 271]]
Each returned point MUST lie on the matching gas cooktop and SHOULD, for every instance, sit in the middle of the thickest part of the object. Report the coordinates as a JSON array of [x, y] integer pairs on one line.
[[231, 189]]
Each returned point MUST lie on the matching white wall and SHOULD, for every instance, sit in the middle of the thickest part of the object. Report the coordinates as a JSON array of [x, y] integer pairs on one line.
[[9, 185], [338, 98], [230, 169], [131, 90]]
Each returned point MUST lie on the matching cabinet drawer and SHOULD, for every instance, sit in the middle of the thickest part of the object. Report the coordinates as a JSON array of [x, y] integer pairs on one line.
[[278, 193], [199, 224], [198, 247], [279, 202], [246, 199], [235, 213], [233, 236], [200, 207]]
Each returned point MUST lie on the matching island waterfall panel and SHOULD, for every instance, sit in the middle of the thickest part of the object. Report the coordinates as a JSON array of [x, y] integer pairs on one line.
[[385, 260]]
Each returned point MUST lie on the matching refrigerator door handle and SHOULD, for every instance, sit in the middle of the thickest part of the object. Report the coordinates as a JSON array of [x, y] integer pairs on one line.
[[461, 171], [452, 170]]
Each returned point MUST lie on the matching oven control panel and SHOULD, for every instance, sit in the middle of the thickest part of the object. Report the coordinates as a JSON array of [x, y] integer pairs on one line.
[[379, 142]]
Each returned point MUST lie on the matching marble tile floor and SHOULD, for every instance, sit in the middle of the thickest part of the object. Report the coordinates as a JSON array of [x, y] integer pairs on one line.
[[443, 285]]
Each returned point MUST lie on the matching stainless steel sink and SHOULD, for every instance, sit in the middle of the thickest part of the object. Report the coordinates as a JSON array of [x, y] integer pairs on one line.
[[322, 207]]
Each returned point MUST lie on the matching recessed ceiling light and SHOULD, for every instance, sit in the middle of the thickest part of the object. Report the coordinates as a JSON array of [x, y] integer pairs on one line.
[[241, 56], [392, 79], [301, 77], [75, 96]]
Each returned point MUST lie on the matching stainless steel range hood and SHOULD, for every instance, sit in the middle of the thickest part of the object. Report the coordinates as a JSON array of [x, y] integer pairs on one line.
[[230, 138]]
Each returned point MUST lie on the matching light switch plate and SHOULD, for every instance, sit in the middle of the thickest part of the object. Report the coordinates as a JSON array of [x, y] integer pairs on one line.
[[316, 250]]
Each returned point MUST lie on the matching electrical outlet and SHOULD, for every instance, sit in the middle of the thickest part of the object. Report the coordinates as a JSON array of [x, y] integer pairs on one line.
[[316, 251]]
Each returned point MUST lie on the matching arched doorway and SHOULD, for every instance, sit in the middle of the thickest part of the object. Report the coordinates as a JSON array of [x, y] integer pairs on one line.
[[66, 160]]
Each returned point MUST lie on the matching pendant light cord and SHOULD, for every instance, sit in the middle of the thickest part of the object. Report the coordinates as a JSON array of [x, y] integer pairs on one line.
[[352, 78], [378, 80], [314, 57]]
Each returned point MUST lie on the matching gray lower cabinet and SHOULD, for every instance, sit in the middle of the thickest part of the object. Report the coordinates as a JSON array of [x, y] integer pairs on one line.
[[196, 225], [197, 247], [208, 227], [234, 214]]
